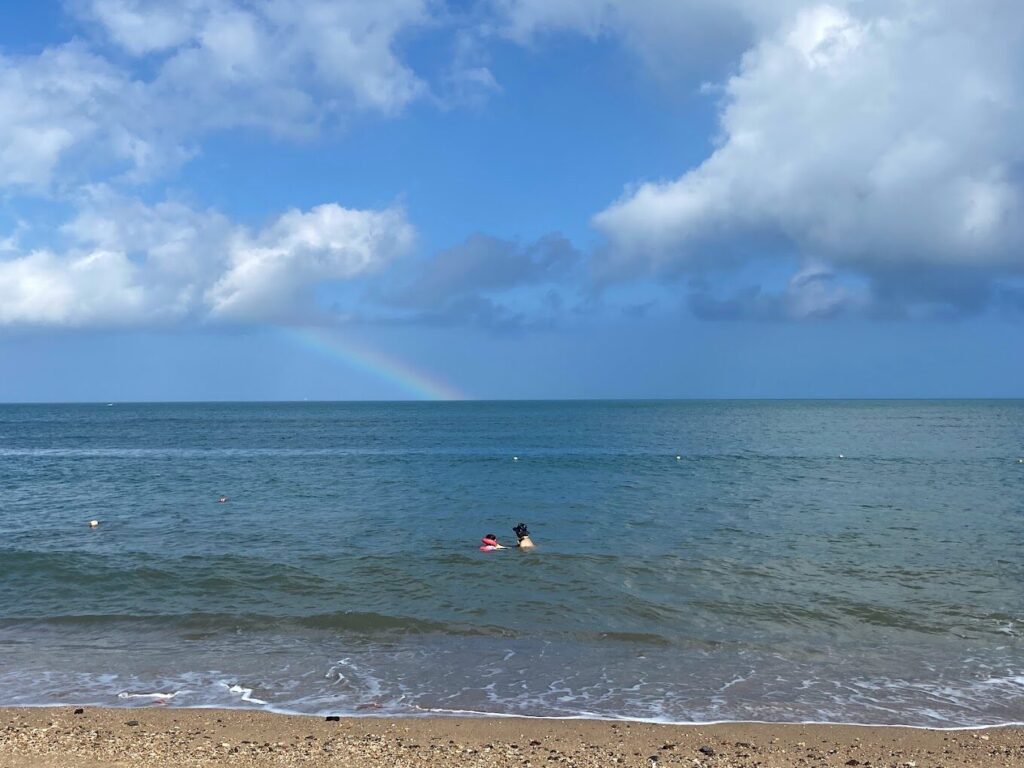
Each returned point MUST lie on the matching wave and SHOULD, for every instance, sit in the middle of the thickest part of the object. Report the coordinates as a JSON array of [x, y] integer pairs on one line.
[[360, 691], [349, 621]]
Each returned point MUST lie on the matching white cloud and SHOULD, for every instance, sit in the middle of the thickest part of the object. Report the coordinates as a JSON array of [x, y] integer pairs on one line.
[[172, 237], [677, 39], [52, 105], [96, 288], [269, 273], [526, 18], [276, 63], [140, 27], [69, 115], [652, 27], [11, 242], [871, 141], [136, 264]]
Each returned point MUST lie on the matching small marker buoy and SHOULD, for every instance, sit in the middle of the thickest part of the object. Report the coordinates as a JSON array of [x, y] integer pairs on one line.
[[679, 458], [222, 500], [94, 523], [515, 458], [841, 456]]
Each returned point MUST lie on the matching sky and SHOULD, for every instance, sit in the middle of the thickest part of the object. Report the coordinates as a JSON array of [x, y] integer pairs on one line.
[[490, 199]]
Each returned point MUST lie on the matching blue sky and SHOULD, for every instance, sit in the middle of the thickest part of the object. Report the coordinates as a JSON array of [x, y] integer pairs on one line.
[[274, 199]]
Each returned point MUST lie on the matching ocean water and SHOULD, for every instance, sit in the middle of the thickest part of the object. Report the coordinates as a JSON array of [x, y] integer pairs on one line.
[[758, 576]]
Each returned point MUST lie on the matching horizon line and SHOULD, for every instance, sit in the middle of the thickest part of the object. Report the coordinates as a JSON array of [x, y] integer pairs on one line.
[[811, 398]]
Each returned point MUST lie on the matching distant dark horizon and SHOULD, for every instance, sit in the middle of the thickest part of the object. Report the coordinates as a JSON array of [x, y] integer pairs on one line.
[[468, 401]]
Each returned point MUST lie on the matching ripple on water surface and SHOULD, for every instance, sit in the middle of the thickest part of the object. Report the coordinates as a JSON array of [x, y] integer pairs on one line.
[[758, 576]]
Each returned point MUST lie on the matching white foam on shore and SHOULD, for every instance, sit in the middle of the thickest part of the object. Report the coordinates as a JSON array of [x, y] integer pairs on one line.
[[377, 686], [469, 713], [148, 696], [695, 723], [246, 694]]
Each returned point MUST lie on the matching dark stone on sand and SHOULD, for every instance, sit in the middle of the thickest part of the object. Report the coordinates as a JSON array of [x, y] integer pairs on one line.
[[534, 743], [79, 711], [707, 751], [332, 719], [852, 761], [668, 746], [132, 723]]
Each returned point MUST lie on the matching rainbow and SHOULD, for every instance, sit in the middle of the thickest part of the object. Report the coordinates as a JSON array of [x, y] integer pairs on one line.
[[419, 383]]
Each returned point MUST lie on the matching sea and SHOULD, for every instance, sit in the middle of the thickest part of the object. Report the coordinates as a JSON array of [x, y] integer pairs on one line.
[[695, 561]]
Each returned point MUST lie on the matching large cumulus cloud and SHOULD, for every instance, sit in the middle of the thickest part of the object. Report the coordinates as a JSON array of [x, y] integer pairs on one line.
[[884, 143], [134, 96], [128, 263]]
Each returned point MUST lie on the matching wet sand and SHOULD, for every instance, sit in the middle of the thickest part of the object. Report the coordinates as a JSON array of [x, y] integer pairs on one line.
[[90, 738]]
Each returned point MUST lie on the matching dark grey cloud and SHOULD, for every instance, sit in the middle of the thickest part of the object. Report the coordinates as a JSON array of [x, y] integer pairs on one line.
[[934, 292], [818, 294], [480, 282], [814, 292], [484, 264]]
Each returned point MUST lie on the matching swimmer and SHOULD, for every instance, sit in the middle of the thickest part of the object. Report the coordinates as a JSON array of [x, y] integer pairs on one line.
[[222, 500], [489, 543], [523, 534]]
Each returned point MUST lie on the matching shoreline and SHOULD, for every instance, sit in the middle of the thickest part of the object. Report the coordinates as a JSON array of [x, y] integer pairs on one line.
[[371, 712], [59, 737]]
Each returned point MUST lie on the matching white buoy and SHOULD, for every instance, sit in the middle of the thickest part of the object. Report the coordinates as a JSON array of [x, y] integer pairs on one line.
[[515, 458], [679, 458], [94, 523], [841, 456]]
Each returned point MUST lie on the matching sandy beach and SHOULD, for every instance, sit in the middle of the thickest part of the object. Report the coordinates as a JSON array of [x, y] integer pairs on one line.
[[87, 737]]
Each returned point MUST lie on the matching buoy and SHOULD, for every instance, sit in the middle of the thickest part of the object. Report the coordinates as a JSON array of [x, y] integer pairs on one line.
[[222, 500], [94, 523], [679, 458], [515, 458], [841, 456]]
